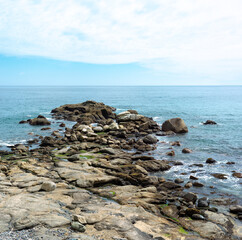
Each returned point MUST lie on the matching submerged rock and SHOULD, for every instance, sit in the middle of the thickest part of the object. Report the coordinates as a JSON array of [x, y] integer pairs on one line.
[[237, 175], [186, 150], [209, 122], [219, 175], [210, 161]]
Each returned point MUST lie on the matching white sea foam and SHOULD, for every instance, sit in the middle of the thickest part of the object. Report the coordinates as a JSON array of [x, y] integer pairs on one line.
[[4, 144], [157, 118]]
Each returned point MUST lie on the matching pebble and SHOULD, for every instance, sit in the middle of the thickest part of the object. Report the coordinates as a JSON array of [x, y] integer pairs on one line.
[[78, 226]]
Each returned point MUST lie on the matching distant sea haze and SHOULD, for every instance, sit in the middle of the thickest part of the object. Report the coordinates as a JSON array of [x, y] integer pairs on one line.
[[194, 104]]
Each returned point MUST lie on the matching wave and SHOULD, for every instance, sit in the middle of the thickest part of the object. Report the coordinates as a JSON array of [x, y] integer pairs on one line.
[[157, 118], [11, 143]]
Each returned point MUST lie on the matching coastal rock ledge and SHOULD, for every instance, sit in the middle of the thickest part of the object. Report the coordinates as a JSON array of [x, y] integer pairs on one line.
[[85, 185]]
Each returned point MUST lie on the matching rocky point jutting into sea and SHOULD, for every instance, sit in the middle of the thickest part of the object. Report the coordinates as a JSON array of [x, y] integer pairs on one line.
[[95, 181]]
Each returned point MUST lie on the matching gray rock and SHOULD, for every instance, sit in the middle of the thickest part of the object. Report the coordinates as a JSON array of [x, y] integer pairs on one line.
[[235, 209], [98, 129], [110, 151], [190, 197], [150, 139], [203, 202], [48, 186], [78, 226], [22, 147]]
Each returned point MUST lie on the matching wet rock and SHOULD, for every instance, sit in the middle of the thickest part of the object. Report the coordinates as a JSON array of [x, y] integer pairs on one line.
[[210, 161], [186, 150], [192, 211], [62, 125], [176, 143], [177, 163], [45, 128], [169, 185], [193, 177], [198, 217], [230, 163], [203, 202], [171, 153], [39, 121], [48, 186], [197, 184], [236, 209], [188, 185], [196, 165], [179, 180], [237, 175], [176, 125], [23, 122], [219, 175], [78, 226], [222, 201], [209, 122], [150, 139], [190, 197]]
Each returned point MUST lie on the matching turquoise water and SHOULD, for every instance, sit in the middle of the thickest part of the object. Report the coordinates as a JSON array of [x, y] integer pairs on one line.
[[222, 104]]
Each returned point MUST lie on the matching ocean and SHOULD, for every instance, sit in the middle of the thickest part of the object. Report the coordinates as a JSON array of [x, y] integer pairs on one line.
[[194, 104]]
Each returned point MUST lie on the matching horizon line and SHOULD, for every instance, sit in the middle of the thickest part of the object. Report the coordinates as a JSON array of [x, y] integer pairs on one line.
[[178, 85]]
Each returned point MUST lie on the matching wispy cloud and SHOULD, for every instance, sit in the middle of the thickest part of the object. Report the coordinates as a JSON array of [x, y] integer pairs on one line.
[[201, 36]]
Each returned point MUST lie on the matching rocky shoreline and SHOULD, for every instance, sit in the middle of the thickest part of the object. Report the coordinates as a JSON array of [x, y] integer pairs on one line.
[[95, 182]]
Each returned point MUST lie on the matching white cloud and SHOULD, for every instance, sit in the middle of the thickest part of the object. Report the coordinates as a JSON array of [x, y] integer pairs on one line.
[[201, 36]]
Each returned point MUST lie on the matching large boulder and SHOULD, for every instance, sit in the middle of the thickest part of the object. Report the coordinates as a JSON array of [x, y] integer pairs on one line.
[[176, 125], [39, 121]]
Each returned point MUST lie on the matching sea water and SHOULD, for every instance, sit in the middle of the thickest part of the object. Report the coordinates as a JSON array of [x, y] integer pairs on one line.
[[194, 104]]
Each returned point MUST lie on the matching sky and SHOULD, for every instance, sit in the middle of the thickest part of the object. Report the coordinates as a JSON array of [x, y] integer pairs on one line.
[[120, 42]]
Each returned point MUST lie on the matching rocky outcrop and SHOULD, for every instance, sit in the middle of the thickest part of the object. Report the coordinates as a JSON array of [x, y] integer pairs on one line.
[[85, 113], [176, 125], [38, 121]]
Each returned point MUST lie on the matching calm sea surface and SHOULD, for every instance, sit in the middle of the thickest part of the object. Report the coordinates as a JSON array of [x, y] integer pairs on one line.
[[222, 104]]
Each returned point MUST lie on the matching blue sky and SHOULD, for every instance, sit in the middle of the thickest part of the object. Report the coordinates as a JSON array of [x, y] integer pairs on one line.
[[121, 42]]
